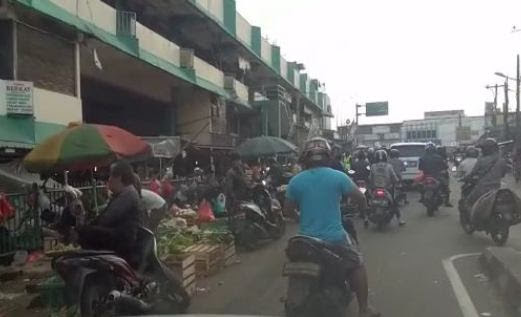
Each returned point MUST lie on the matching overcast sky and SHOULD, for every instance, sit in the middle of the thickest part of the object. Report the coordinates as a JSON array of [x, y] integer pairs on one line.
[[420, 55]]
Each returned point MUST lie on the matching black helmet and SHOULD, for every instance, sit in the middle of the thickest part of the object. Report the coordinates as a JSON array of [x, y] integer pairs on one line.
[[360, 155], [380, 156], [472, 152], [395, 153], [430, 147], [316, 150], [489, 146]]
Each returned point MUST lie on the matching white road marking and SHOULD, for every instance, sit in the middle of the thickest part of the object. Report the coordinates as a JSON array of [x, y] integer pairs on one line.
[[465, 303]]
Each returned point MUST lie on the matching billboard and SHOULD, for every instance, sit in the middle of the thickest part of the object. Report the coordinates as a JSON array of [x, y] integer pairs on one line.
[[374, 109]]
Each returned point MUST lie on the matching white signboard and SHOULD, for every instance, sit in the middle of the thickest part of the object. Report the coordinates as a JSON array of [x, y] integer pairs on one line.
[[381, 129], [17, 97]]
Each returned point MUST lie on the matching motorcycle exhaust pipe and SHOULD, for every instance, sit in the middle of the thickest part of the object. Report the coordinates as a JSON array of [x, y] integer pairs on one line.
[[128, 304]]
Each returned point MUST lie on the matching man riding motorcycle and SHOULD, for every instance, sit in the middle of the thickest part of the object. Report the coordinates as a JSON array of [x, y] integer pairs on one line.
[[382, 175], [317, 192], [116, 227], [434, 165], [361, 167], [490, 168], [399, 168], [236, 182]]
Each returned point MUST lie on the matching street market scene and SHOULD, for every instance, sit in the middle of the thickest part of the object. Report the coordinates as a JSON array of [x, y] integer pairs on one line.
[[180, 158]]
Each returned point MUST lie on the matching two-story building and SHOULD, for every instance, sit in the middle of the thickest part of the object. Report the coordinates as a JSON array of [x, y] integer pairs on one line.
[[189, 68]]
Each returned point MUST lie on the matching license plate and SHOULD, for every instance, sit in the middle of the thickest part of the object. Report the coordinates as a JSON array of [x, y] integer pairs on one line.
[[412, 163], [379, 203]]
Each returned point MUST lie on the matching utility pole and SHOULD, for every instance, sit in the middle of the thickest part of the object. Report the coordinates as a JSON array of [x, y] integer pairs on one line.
[[358, 114], [518, 105], [494, 116], [505, 112]]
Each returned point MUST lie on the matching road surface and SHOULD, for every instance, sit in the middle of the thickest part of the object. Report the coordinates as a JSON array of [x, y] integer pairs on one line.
[[427, 268]]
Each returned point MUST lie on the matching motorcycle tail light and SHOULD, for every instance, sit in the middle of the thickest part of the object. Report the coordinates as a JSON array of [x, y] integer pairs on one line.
[[380, 193]]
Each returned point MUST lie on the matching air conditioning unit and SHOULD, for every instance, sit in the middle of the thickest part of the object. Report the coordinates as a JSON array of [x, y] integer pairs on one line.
[[187, 58]]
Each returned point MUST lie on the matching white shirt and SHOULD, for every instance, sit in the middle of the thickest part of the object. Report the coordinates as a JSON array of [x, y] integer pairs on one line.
[[151, 200], [466, 166]]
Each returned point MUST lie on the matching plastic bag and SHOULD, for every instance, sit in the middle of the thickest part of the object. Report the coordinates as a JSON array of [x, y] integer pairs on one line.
[[205, 213], [219, 204], [6, 209]]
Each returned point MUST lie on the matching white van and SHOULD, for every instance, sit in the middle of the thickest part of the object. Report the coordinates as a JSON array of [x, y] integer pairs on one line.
[[410, 154]]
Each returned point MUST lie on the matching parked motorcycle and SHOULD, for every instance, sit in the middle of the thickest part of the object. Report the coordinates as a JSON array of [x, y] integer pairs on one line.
[[380, 208], [432, 195], [258, 219], [503, 213], [102, 283], [314, 285]]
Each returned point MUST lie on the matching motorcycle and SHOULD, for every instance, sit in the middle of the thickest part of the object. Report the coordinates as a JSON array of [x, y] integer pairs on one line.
[[258, 219], [457, 160], [501, 217], [314, 286], [432, 195], [102, 283], [380, 211]]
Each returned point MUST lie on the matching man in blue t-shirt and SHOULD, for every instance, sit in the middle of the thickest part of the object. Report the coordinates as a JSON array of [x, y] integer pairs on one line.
[[317, 192]]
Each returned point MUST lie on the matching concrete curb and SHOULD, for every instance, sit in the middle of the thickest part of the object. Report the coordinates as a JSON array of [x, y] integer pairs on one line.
[[503, 265]]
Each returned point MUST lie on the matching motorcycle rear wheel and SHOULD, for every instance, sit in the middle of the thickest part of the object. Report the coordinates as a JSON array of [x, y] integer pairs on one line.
[[430, 211], [329, 302], [281, 227], [500, 236], [95, 291], [465, 224]]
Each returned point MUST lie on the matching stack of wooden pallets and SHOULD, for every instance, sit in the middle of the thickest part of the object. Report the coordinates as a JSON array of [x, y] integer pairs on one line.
[[184, 267]]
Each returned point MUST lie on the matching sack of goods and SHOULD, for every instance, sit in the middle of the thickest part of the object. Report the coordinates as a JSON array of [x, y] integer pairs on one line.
[[502, 201]]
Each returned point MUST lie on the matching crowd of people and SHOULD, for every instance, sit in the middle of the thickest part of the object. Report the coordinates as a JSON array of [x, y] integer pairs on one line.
[[323, 177]]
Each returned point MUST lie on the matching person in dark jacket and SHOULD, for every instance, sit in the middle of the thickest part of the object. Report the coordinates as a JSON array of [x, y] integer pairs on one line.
[[361, 167], [116, 227], [433, 164]]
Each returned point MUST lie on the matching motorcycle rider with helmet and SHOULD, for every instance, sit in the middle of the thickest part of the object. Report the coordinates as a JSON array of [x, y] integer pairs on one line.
[[399, 168], [382, 175], [361, 167], [433, 164], [317, 192], [490, 168]]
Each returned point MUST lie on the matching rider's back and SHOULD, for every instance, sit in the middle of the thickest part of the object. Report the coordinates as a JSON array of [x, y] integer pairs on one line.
[[318, 192], [432, 164], [491, 169]]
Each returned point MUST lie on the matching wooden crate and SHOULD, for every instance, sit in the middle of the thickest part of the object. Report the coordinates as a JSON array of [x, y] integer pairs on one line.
[[229, 254], [183, 266], [49, 244], [208, 258]]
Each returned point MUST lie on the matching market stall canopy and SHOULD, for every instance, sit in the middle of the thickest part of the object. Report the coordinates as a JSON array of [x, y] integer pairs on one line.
[[84, 146], [265, 146]]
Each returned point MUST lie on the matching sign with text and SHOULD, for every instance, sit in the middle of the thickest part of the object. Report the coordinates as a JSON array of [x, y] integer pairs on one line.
[[17, 97], [374, 109]]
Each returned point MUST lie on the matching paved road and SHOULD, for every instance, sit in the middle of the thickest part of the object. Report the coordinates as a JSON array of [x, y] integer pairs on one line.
[[407, 276]]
